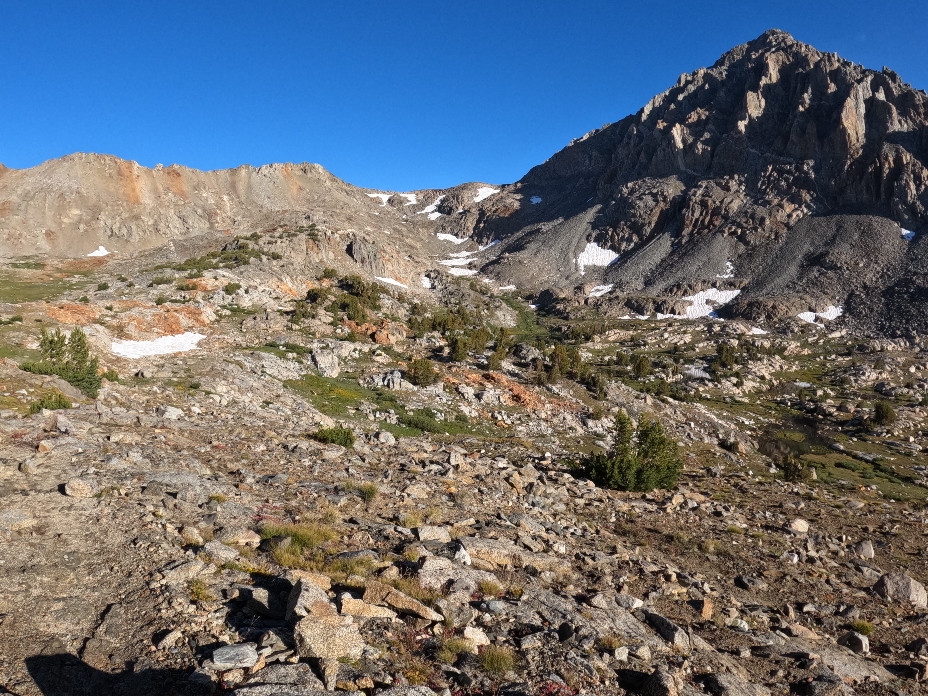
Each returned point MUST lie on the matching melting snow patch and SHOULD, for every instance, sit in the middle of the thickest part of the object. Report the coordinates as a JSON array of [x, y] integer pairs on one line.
[[755, 331], [535, 200], [384, 197], [430, 209], [484, 192], [601, 290], [508, 287], [427, 283], [455, 262], [701, 308], [461, 272], [462, 254], [595, 255], [906, 235], [729, 271], [831, 313], [491, 244], [159, 346], [802, 385], [101, 251], [696, 372], [450, 237], [391, 281], [411, 197]]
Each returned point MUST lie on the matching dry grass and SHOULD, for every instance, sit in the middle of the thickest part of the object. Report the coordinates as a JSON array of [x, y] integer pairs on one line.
[[497, 660], [199, 591], [451, 648]]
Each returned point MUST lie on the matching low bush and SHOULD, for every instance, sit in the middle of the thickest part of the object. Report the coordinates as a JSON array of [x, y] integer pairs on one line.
[[54, 401], [334, 436], [422, 372], [69, 358]]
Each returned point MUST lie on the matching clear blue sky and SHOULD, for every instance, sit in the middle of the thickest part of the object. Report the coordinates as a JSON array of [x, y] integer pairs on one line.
[[398, 96]]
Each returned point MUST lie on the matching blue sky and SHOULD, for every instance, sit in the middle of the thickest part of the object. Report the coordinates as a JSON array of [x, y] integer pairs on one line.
[[396, 96]]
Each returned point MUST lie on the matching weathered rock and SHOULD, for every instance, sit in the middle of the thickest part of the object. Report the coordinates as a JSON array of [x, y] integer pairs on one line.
[[330, 637], [379, 593], [326, 362], [440, 534], [662, 683], [899, 587], [235, 656], [307, 598], [361, 609], [856, 642], [728, 684], [169, 412], [669, 631], [799, 526], [220, 552], [864, 549], [81, 488]]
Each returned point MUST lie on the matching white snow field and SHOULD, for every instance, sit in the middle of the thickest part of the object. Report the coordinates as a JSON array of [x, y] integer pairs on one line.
[[729, 271], [101, 251], [430, 209], [700, 306], [426, 283], [410, 197], [391, 281], [831, 313], [595, 255], [455, 262], [601, 290], [484, 192], [462, 271], [164, 345], [384, 197], [445, 237]]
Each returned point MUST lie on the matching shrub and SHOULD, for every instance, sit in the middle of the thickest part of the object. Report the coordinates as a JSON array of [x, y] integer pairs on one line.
[[452, 647], [795, 470], [160, 280], [231, 288], [422, 372], [102, 286], [726, 355], [199, 591], [638, 461], [864, 628], [422, 422], [329, 273], [54, 401], [497, 660], [883, 413], [334, 436], [186, 287], [160, 300], [68, 358], [368, 491]]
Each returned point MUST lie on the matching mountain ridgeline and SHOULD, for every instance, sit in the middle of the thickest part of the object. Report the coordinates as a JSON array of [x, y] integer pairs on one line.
[[786, 179]]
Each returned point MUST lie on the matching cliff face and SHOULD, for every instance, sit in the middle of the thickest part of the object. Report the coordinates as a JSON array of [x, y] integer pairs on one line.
[[730, 178]]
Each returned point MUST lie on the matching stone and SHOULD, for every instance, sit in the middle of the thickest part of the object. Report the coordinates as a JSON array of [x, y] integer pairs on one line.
[[169, 412], [361, 609], [45, 445], [220, 552], [239, 535], [749, 582], [191, 535], [328, 637], [81, 488], [489, 554], [476, 636], [379, 593], [241, 656], [856, 642], [662, 683], [628, 602], [864, 549], [899, 587], [326, 362], [16, 521], [729, 684], [299, 674], [669, 631], [307, 598], [798, 526], [428, 533], [30, 467], [384, 437], [183, 572], [800, 631]]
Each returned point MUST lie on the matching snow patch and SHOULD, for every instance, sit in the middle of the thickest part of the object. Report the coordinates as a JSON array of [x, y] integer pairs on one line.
[[461, 254], [755, 331], [449, 237], [729, 271], [159, 346], [700, 306], [391, 281], [430, 209], [462, 271], [601, 290], [595, 255], [484, 192], [535, 200], [491, 244], [411, 197], [455, 262], [101, 251], [427, 283], [906, 235], [384, 197], [831, 313], [508, 287]]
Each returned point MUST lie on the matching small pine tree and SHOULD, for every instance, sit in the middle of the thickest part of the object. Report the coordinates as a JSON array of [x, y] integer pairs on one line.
[[459, 345], [422, 372], [642, 367], [726, 355], [639, 460], [883, 413]]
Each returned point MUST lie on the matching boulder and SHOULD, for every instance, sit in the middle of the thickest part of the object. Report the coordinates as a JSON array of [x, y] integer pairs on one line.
[[328, 637], [899, 587]]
